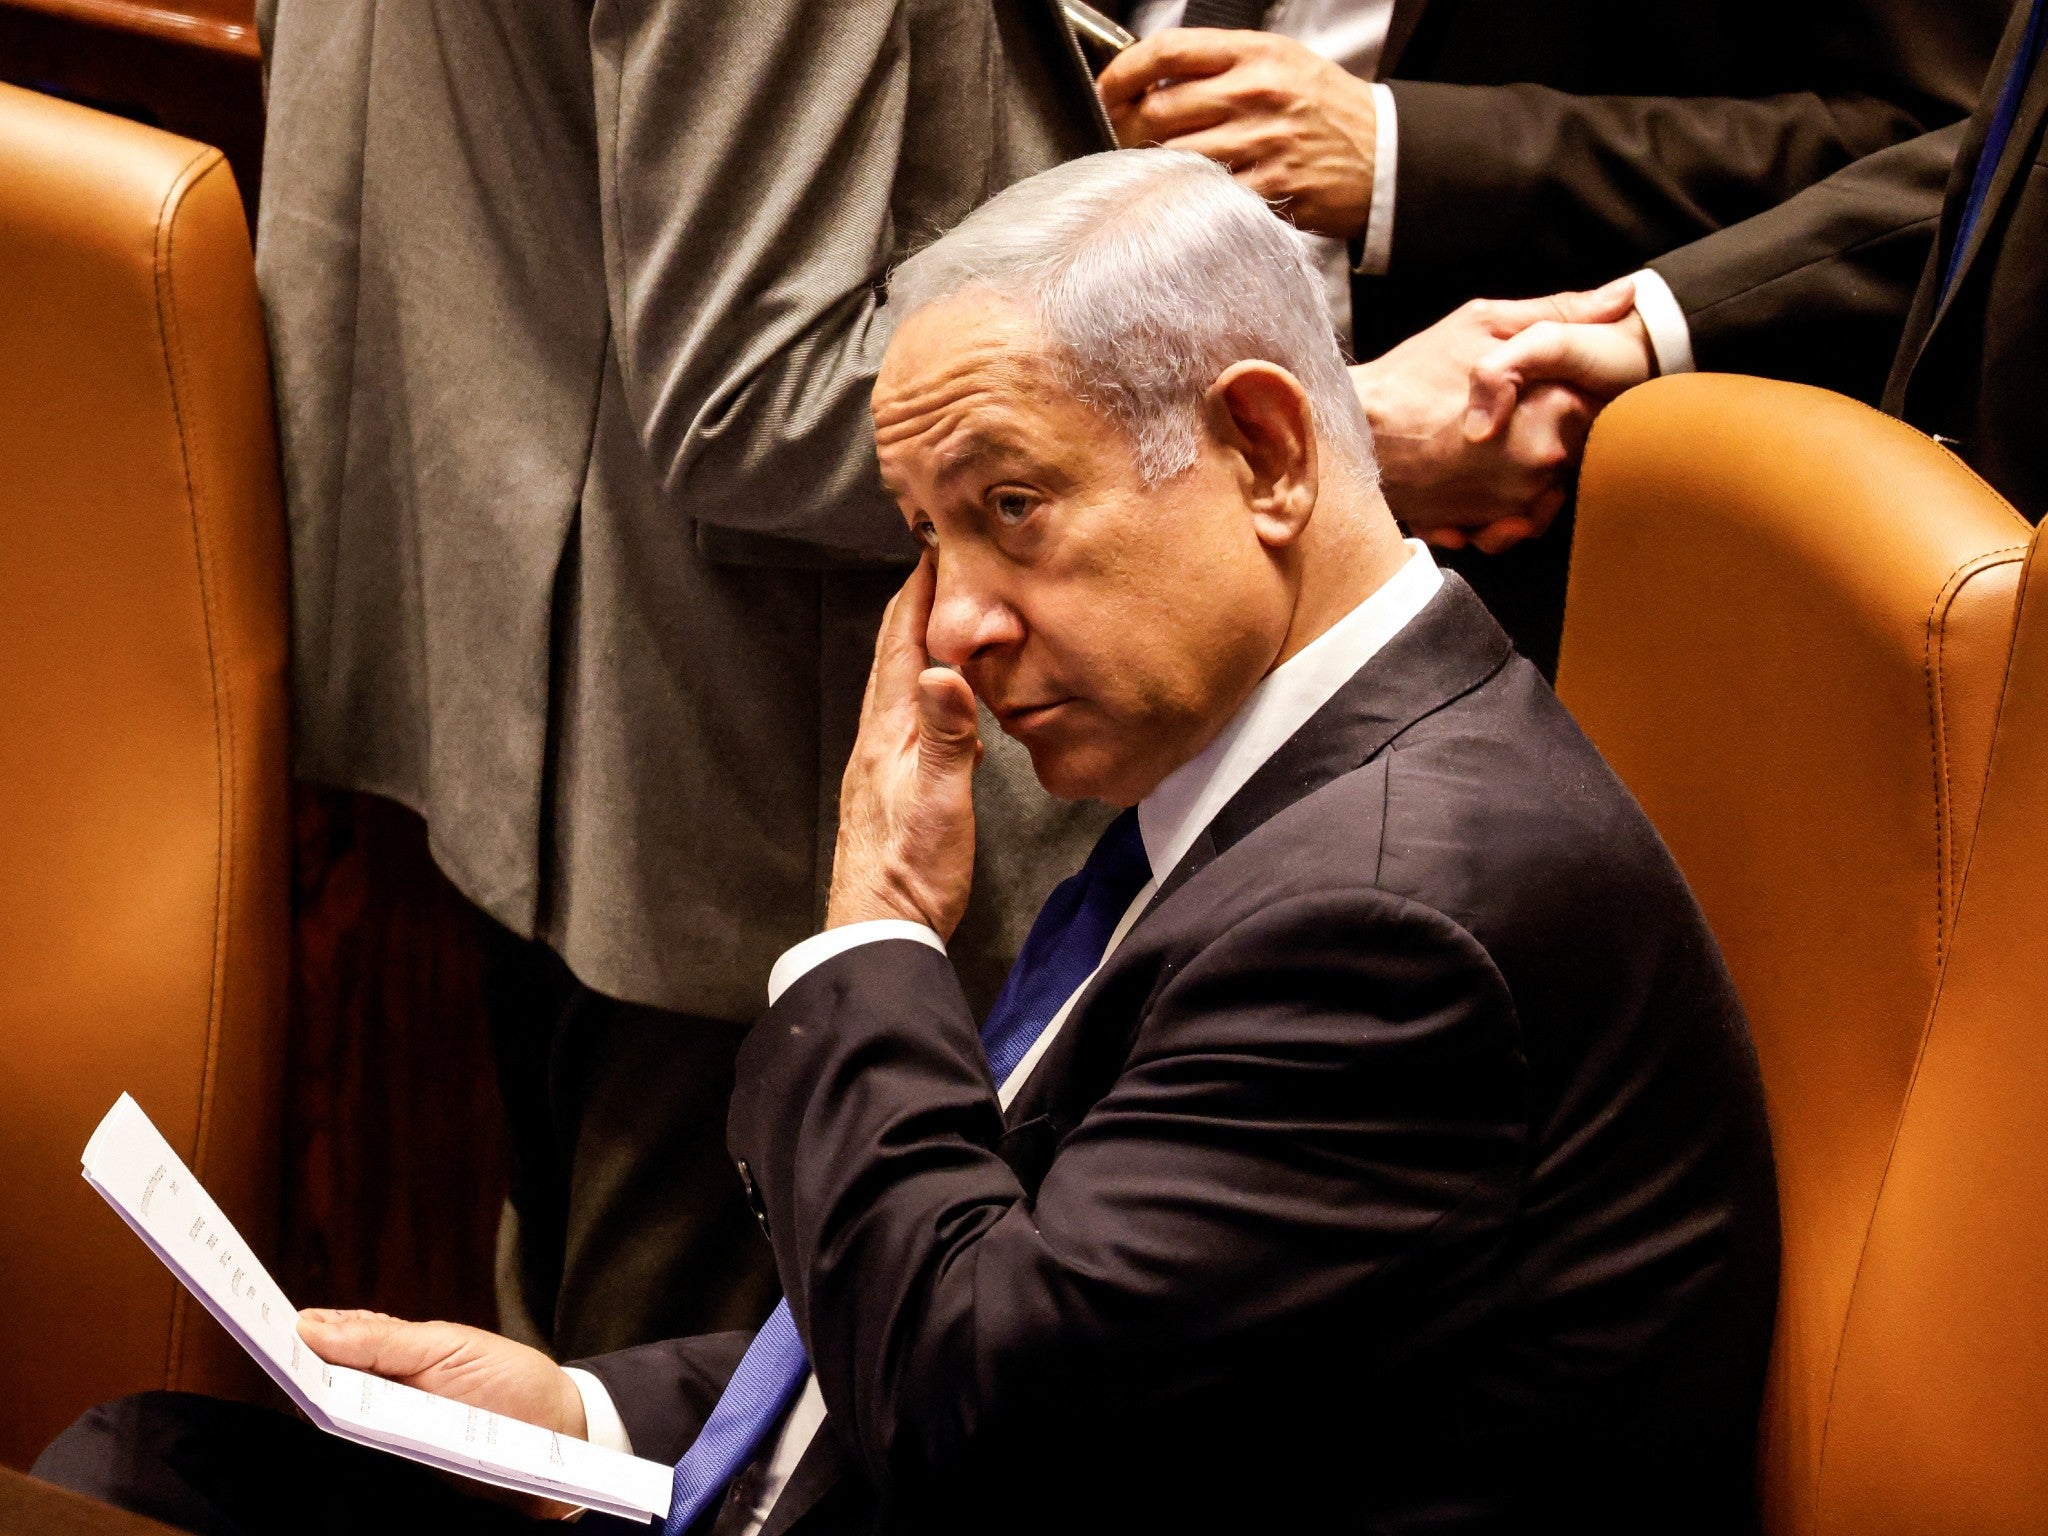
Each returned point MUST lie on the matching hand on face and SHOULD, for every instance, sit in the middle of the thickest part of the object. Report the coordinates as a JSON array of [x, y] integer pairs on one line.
[[1295, 128], [450, 1360], [906, 804], [1479, 421]]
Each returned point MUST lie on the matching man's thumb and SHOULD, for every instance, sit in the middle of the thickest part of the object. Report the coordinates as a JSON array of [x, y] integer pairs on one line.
[[368, 1341], [947, 738], [1599, 306]]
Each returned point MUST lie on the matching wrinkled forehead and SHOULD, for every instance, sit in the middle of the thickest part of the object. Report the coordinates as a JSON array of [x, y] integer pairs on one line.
[[956, 362]]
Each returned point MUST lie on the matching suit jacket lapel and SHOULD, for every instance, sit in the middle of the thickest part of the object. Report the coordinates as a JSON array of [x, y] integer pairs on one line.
[[1933, 303], [1447, 650], [1073, 67]]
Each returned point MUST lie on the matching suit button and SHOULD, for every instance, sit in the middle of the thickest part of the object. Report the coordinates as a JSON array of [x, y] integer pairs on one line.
[[754, 1201]]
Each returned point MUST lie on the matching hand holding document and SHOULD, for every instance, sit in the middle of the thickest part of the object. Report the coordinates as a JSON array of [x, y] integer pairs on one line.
[[134, 1168]]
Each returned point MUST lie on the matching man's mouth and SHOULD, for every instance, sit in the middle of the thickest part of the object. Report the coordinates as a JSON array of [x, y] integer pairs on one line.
[[1025, 717]]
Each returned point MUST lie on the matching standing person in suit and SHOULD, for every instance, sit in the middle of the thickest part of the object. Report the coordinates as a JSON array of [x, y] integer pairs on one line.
[[1916, 278], [574, 313], [1367, 1138], [1505, 150]]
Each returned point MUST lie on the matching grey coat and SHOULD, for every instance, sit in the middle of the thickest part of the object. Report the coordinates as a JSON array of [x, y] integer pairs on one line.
[[574, 314]]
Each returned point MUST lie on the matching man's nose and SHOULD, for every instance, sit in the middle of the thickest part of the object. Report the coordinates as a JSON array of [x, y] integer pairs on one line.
[[969, 617]]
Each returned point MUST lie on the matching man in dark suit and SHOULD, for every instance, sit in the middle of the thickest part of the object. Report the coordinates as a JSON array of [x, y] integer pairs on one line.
[[1367, 1138], [1511, 149], [1916, 279]]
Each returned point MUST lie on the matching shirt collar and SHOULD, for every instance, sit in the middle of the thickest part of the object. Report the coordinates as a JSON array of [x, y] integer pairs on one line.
[[1187, 800]]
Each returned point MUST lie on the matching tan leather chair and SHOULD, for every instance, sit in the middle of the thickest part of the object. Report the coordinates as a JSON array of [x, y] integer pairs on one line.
[[143, 832], [1787, 629], [1939, 1415]]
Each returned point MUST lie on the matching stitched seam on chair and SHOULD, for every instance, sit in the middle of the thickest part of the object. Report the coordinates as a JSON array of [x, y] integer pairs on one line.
[[171, 339], [1956, 579], [2021, 552], [1948, 875], [1937, 739]]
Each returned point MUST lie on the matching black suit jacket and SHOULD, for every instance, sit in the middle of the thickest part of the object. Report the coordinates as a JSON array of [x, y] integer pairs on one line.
[[1557, 145], [1842, 287], [1404, 1169], [1554, 144]]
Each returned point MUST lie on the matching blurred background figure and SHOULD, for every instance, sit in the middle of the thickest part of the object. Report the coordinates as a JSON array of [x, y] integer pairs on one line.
[[573, 310], [1467, 149]]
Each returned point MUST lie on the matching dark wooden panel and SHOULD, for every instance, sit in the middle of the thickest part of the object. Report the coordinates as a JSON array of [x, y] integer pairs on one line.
[[225, 26], [393, 1140]]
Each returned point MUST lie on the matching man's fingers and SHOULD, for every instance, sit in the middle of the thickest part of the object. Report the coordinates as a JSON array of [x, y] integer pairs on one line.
[[1231, 146], [1502, 534], [948, 740], [1548, 431], [1494, 391], [371, 1341], [1185, 107], [900, 650], [1600, 360], [1179, 53], [1597, 306]]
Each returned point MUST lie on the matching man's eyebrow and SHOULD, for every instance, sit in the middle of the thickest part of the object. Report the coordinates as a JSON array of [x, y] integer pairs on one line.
[[977, 449], [956, 459]]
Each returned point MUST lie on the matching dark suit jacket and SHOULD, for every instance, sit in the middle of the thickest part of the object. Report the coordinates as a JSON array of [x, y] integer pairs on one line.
[[1404, 1169], [1842, 287], [1556, 145]]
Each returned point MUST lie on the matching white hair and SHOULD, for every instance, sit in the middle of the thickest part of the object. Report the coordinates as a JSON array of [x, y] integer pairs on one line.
[[1151, 271]]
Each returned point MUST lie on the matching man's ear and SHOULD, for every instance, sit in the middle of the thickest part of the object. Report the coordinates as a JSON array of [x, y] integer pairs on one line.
[[1260, 412]]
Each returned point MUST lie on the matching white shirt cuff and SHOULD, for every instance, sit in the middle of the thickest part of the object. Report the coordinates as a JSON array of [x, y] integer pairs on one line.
[[603, 1426], [801, 959], [1670, 336], [1376, 248]]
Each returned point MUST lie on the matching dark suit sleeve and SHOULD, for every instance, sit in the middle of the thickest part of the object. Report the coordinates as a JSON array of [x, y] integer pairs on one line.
[[1326, 1101], [664, 1392], [1520, 189], [1817, 290]]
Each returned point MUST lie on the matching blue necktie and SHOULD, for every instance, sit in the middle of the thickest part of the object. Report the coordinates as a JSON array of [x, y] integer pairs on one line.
[[2010, 95], [1066, 943]]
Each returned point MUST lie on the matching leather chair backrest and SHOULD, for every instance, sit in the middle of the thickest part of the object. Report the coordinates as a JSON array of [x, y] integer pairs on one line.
[[1787, 629], [144, 841], [1939, 1418]]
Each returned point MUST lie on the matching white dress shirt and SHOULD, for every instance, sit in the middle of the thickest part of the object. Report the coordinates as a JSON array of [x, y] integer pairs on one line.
[[1350, 34], [1169, 820], [1670, 336]]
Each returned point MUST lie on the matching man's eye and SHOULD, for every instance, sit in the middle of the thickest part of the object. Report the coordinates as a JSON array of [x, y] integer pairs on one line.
[[1012, 507], [926, 535]]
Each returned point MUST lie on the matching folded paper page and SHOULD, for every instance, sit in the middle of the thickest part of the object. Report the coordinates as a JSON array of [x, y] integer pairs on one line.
[[133, 1167]]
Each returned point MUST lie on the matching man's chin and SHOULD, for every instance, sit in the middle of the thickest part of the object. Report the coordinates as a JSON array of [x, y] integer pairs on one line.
[[1078, 771]]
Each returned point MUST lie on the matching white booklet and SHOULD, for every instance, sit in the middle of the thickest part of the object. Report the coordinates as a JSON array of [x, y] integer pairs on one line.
[[129, 1162]]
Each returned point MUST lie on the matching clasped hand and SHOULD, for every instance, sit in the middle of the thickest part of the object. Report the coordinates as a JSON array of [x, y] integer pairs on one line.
[[1480, 420]]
